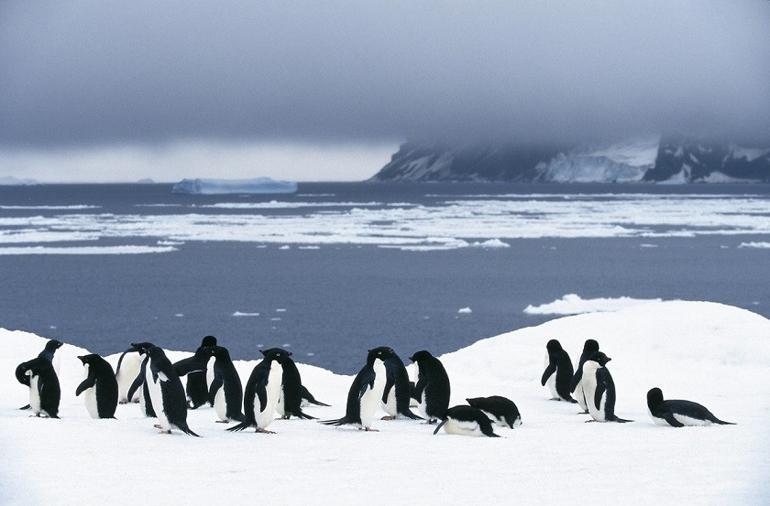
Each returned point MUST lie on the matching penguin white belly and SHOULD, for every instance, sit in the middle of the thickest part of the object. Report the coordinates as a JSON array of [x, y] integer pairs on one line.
[[658, 421], [34, 394], [266, 417], [580, 396], [156, 398], [495, 420], [130, 368], [693, 422], [220, 407], [279, 405], [589, 389], [422, 407], [551, 384], [390, 405], [89, 395], [372, 398], [462, 428]]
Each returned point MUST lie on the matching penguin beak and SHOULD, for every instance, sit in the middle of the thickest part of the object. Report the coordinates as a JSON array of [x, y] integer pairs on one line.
[[82, 359]]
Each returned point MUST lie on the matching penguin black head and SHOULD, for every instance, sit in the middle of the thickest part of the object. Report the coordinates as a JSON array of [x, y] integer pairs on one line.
[[88, 359], [654, 397], [381, 352], [209, 341], [215, 351], [553, 345], [600, 357], [53, 345], [277, 354], [420, 355], [590, 346], [142, 347]]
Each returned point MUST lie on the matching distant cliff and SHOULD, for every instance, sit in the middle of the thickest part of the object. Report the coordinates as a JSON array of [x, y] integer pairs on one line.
[[665, 160]]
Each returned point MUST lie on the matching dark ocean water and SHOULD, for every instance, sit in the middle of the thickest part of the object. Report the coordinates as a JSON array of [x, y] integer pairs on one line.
[[329, 305]]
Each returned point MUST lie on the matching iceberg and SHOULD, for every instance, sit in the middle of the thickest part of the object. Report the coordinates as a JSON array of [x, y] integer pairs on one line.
[[259, 185], [15, 181]]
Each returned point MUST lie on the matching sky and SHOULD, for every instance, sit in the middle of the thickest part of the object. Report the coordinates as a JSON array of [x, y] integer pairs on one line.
[[115, 90]]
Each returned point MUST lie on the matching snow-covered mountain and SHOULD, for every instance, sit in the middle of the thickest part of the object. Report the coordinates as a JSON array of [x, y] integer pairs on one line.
[[653, 159], [15, 181]]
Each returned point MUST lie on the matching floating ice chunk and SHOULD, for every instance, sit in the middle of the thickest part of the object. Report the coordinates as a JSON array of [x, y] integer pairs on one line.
[[85, 250], [491, 243], [648, 245], [179, 315], [280, 310], [464, 310], [285, 247], [574, 304], [754, 245], [239, 313], [259, 185]]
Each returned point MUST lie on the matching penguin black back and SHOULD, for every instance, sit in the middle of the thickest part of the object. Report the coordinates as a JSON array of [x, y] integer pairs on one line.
[[398, 384], [558, 373], [292, 388], [458, 419], [499, 407], [45, 392], [679, 413], [226, 374], [194, 368], [590, 347], [432, 386], [101, 378], [47, 354], [139, 382], [172, 392]]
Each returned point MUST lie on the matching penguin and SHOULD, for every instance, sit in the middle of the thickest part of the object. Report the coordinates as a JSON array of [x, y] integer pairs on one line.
[[166, 392], [290, 400], [308, 399], [128, 369], [678, 413], [145, 402], [44, 389], [558, 372], [589, 348], [413, 397], [195, 369], [262, 392], [432, 387], [228, 399], [48, 353], [466, 421], [365, 392], [498, 409], [396, 396], [599, 389], [100, 387]]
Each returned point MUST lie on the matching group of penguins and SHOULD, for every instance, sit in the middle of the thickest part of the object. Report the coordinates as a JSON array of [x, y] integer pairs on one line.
[[145, 375]]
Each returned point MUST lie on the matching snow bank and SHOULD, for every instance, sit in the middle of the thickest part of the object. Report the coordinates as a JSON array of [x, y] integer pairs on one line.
[[223, 186], [573, 304], [711, 353]]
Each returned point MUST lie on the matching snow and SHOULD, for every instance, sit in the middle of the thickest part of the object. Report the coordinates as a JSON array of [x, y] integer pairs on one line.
[[571, 304], [719, 177], [85, 250], [258, 185], [749, 154], [761, 245], [710, 353], [618, 163]]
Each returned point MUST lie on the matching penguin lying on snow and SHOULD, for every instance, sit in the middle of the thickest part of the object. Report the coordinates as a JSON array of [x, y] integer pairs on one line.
[[599, 389], [166, 392], [432, 388], [397, 392], [365, 393], [290, 400], [499, 409], [678, 413], [145, 402], [228, 398], [262, 392], [589, 348], [466, 421], [129, 367], [44, 389], [100, 387], [195, 368], [558, 372], [47, 354]]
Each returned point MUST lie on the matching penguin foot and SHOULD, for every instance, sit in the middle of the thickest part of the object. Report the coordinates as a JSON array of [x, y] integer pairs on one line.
[[158, 426], [369, 429], [582, 413], [264, 431], [222, 421], [590, 421], [388, 417], [555, 399], [165, 431], [123, 402]]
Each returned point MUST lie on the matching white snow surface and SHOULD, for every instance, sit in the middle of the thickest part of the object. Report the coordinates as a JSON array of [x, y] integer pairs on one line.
[[572, 304], [710, 353], [258, 185]]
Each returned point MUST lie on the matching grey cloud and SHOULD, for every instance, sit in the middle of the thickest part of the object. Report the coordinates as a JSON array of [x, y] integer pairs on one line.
[[82, 73]]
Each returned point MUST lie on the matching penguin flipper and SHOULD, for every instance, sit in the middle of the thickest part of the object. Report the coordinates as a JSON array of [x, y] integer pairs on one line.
[[215, 386], [21, 374], [27, 406], [673, 421], [135, 386], [438, 427], [87, 383], [547, 373]]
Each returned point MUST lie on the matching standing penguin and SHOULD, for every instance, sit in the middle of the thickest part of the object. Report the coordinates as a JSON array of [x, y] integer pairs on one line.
[[228, 399], [100, 387], [145, 402], [678, 413], [365, 392], [558, 372], [48, 353], [499, 409], [599, 389], [166, 392], [44, 389], [195, 369], [128, 369], [308, 399], [432, 387], [262, 392], [589, 348], [396, 396], [466, 421], [290, 400]]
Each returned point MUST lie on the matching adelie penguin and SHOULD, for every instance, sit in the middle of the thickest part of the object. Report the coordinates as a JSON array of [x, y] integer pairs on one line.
[[48, 353], [166, 392], [262, 392], [599, 389], [128, 369], [432, 387], [500, 410], [100, 388], [466, 421], [589, 348], [44, 389], [290, 400], [228, 398], [145, 402], [397, 393], [677, 413], [365, 392], [558, 372], [195, 369]]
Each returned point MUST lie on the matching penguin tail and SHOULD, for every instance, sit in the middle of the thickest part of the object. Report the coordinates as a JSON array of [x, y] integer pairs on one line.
[[621, 420], [186, 429], [304, 416], [721, 422], [24, 407], [317, 403], [340, 421], [241, 426], [438, 427], [409, 414]]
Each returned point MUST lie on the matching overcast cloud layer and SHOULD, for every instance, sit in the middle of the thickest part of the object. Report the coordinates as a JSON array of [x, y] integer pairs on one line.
[[105, 72]]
